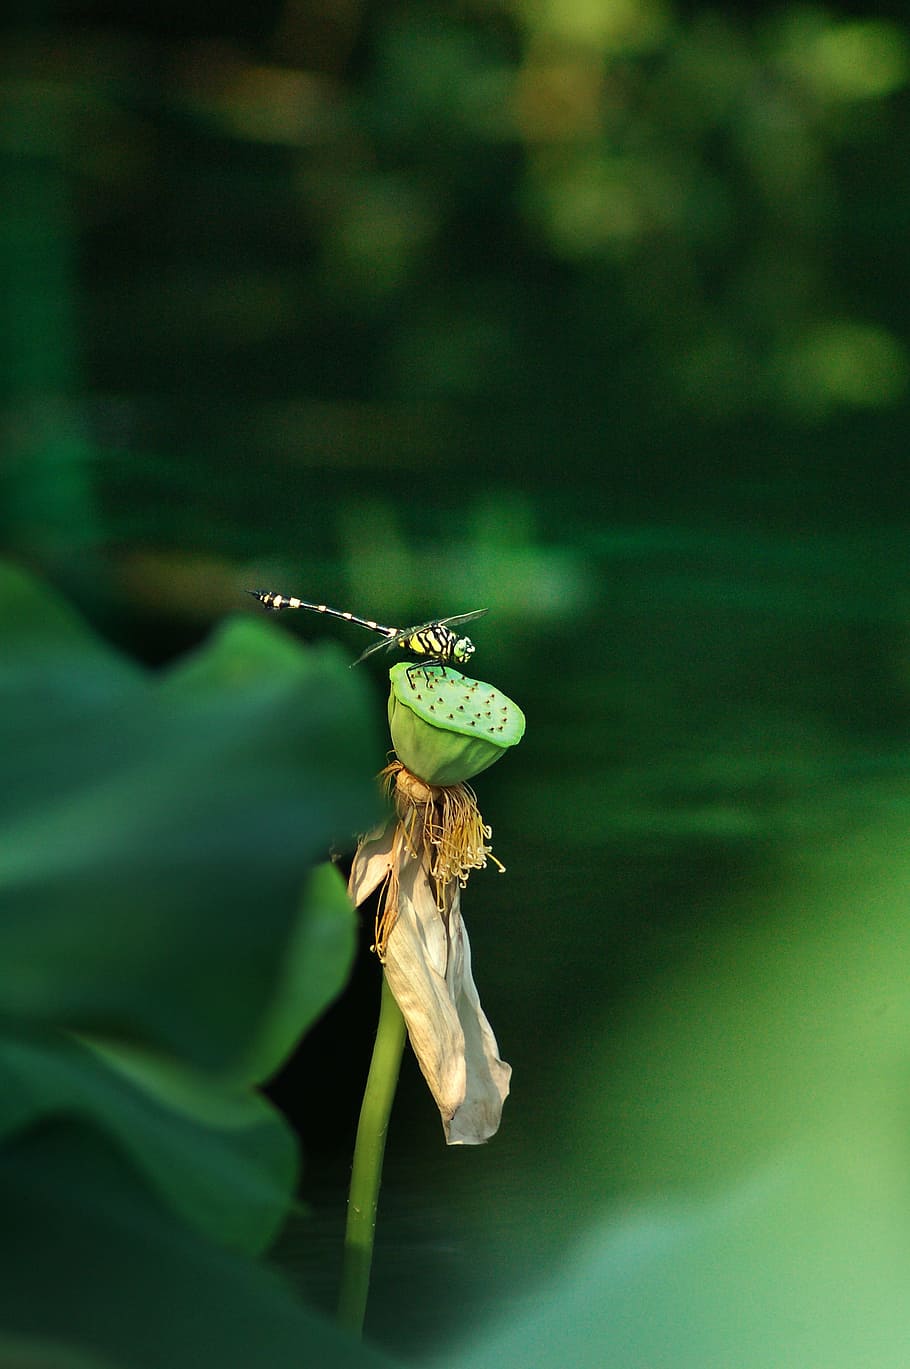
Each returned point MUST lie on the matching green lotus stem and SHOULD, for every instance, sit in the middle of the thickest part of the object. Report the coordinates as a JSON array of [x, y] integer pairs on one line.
[[366, 1172]]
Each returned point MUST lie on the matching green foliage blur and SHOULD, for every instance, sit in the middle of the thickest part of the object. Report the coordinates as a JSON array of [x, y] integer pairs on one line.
[[589, 312], [161, 955]]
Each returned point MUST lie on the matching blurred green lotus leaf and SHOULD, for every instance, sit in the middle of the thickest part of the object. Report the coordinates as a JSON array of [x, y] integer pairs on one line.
[[318, 957], [155, 830], [101, 1266], [802, 1262], [223, 1158]]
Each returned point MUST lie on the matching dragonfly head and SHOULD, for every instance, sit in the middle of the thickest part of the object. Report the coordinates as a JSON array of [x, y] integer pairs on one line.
[[463, 650]]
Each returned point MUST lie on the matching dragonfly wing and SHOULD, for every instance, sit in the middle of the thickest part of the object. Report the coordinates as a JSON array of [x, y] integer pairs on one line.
[[456, 618], [385, 644], [401, 636]]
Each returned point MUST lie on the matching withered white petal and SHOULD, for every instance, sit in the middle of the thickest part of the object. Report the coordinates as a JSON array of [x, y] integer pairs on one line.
[[487, 1075], [428, 967], [371, 863]]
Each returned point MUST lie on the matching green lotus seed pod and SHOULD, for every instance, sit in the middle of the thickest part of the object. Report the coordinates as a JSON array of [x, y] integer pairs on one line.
[[445, 727]]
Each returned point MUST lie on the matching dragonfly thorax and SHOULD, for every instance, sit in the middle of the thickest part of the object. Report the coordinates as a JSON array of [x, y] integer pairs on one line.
[[440, 643]]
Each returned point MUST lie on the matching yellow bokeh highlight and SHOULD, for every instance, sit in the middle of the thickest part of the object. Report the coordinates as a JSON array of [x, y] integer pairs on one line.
[[864, 59], [844, 362], [595, 203], [609, 26]]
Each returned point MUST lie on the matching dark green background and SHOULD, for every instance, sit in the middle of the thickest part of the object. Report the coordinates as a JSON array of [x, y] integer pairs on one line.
[[594, 314]]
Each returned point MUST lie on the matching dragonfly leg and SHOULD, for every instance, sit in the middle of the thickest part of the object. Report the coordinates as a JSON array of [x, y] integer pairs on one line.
[[426, 667]]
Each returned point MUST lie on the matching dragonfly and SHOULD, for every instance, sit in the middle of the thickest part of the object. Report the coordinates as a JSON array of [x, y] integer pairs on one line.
[[435, 642]]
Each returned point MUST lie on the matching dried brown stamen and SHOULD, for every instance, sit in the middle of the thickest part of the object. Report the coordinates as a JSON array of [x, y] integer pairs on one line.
[[440, 825]]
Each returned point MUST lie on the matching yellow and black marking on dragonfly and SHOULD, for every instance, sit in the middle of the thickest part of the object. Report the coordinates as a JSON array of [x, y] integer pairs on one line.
[[434, 642]]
